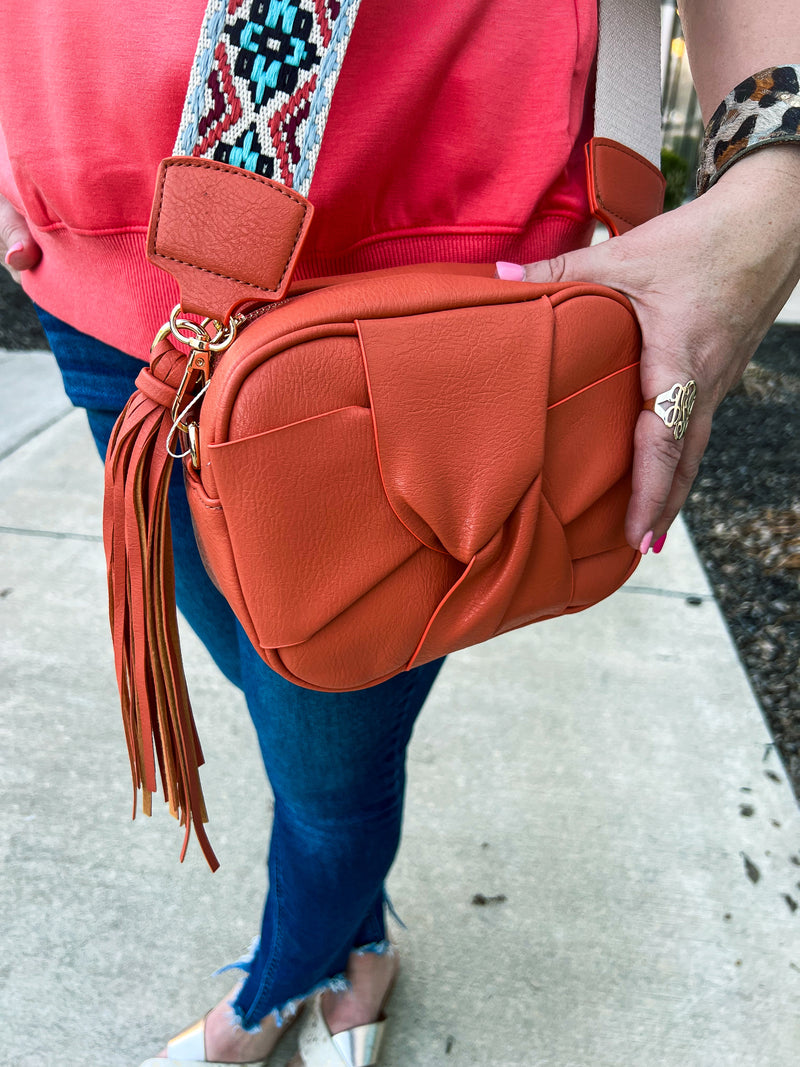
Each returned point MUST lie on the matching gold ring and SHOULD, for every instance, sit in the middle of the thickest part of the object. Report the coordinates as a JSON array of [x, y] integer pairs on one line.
[[674, 407]]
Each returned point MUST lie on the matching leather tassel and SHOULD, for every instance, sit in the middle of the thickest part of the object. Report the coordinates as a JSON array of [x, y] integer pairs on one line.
[[156, 712]]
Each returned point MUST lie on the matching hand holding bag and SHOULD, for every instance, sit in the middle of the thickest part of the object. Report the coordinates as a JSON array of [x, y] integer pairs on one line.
[[381, 467]]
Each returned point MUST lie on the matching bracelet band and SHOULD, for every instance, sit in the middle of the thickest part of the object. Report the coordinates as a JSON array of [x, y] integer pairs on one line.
[[760, 111]]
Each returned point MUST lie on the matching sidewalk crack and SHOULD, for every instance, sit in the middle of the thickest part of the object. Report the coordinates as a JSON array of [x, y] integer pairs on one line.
[[35, 433], [675, 594], [57, 535]]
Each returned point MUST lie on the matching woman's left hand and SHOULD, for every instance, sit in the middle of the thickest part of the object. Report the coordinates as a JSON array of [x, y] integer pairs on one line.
[[706, 281]]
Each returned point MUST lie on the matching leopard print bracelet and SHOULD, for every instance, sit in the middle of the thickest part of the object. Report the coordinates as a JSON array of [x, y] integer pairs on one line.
[[762, 110]]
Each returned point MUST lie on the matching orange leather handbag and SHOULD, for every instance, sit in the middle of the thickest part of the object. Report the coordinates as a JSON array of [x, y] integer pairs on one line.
[[381, 468]]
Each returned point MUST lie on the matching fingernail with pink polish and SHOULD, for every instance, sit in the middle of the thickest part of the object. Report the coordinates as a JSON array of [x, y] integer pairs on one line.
[[643, 547], [510, 272], [659, 544], [13, 251]]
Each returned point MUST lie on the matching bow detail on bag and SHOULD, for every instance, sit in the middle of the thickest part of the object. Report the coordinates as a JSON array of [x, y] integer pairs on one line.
[[156, 711]]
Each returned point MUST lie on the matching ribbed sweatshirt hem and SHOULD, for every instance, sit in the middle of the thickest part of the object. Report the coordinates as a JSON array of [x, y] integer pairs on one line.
[[549, 235], [104, 285]]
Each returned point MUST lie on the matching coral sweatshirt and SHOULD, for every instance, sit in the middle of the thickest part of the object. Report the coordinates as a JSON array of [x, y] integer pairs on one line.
[[456, 134]]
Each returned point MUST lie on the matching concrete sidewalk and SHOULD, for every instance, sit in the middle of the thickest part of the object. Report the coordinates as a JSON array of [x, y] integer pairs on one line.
[[605, 781]]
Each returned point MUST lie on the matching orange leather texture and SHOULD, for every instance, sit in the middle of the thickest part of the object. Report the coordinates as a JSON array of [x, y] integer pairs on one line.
[[625, 189], [201, 230], [405, 463]]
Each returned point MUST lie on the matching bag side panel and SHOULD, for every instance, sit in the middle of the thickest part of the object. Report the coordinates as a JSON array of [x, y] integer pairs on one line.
[[214, 545], [375, 637], [309, 524]]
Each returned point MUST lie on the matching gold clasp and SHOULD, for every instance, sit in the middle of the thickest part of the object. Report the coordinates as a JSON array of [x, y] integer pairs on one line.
[[196, 371], [197, 376], [196, 334]]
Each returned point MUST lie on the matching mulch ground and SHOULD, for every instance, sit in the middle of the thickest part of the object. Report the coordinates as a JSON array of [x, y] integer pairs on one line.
[[744, 515]]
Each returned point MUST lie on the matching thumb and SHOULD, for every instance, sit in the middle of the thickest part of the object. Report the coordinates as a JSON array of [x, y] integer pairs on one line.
[[18, 248], [583, 265]]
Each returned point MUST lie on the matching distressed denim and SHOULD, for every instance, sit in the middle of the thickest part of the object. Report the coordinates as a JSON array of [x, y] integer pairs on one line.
[[335, 761]]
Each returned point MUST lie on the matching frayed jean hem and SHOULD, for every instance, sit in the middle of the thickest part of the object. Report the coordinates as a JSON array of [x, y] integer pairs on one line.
[[339, 983], [378, 948], [283, 1012], [387, 900], [244, 963]]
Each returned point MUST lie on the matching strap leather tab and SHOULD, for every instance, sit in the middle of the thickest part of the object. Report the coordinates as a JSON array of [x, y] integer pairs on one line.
[[625, 189], [226, 235]]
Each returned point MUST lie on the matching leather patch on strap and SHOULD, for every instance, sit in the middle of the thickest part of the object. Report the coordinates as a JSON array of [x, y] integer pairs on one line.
[[226, 235], [625, 189]]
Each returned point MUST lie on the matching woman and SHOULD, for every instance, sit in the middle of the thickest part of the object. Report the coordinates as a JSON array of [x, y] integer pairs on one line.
[[407, 179]]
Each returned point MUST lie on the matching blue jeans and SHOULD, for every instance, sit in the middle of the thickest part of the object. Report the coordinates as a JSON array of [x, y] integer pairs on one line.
[[335, 761]]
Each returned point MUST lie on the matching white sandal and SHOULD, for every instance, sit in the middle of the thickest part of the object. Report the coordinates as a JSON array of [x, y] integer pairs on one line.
[[189, 1048], [318, 1047]]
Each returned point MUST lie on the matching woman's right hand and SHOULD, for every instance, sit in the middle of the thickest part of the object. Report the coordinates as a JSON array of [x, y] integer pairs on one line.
[[17, 246]]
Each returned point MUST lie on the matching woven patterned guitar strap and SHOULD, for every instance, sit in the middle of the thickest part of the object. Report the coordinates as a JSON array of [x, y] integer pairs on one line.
[[263, 77], [262, 83]]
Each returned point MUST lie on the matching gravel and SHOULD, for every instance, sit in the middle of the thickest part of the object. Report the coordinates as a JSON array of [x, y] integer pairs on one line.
[[743, 512], [19, 328]]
